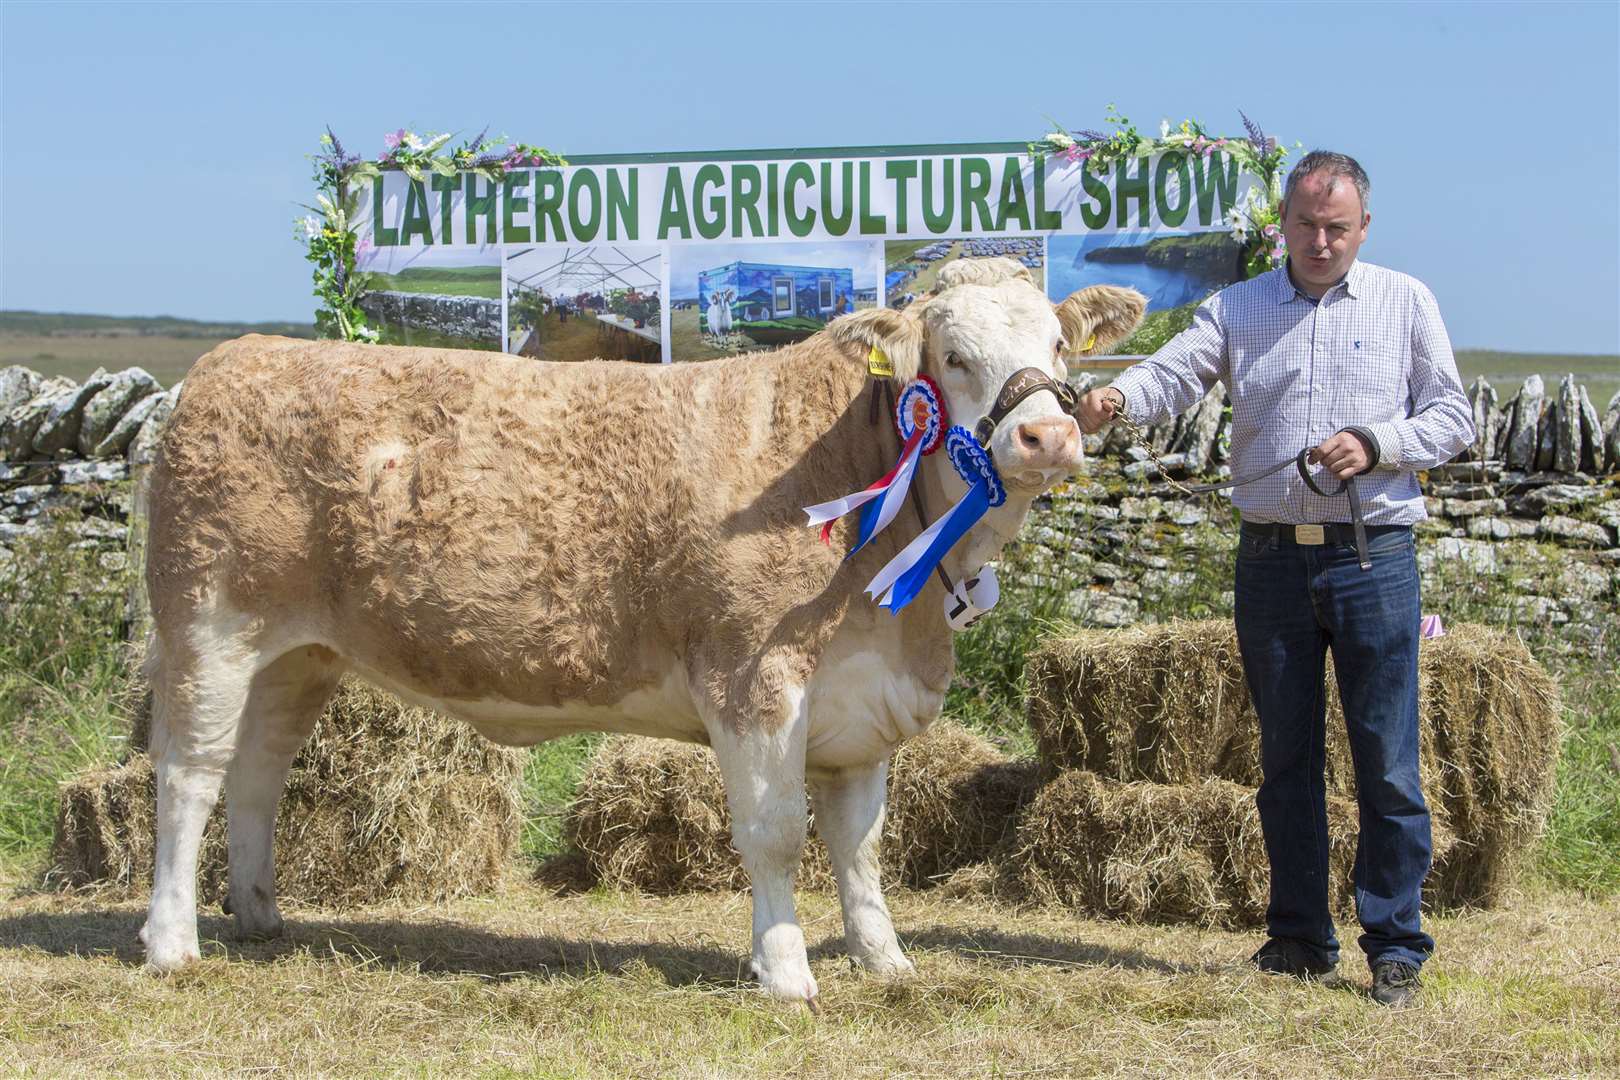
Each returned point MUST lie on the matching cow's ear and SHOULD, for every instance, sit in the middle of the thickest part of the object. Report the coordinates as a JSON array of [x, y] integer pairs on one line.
[[1095, 319], [898, 336]]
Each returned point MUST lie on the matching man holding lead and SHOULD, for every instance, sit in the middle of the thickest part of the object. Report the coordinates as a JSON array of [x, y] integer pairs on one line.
[[1351, 360]]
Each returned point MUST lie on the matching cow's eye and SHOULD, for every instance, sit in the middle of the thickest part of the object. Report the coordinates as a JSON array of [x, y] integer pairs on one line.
[[954, 361]]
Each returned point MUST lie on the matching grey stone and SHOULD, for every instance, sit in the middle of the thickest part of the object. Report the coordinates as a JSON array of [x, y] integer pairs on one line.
[[1567, 434], [1135, 509], [1482, 397], [1164, 581], [1093, 607], [1433, 526], [1547, 437], [1583, 580], [1583, 532], [144, 445], [1107, 571], [60, 428], [1434, 507], [1610, 557], [1467, 508], [17, 385], [1475, 554], [1498, 528], [1504, 428], [1538, 501], [1478, 472], [1142, 470], [1521, 451], [1541, 609], [1197, 439], [19, 426], [1125, 587], [1186, 514], [1593, 458], [1462, 491], [92, 472], [1611, 437], [1608, 513], [103, 411], [1151, 562], [1099, 511], [95, 528], [116, 442], [1136, 453], [11, 532], [26, 494]]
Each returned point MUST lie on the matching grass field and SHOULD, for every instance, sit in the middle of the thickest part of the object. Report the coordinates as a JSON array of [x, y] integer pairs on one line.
[[609, 985]]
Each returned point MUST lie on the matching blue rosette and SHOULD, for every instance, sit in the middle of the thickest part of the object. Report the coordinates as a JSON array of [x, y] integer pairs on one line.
[[972, 463], [921, 404]]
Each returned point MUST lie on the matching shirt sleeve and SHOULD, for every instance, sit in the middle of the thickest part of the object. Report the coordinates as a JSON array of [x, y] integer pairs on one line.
[[1176, 377], [1441, 421]]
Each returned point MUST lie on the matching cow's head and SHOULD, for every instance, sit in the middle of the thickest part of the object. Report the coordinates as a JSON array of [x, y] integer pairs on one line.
[[985, 322]]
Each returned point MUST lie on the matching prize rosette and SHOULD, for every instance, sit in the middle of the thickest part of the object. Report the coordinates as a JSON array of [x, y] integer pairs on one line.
[[973, 464], [898, 583], [919, 416], [921, 406]]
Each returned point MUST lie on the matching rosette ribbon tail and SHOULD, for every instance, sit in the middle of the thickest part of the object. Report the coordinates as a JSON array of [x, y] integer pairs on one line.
[[898, 583], [878, 503]]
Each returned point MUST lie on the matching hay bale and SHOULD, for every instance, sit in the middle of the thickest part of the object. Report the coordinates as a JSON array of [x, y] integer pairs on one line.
[[1168, 704], [1163, 702], [1182, 853], [384, 802], [650, 815]]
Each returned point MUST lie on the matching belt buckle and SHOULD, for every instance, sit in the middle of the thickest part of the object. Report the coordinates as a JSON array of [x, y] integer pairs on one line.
[[1310, 534]]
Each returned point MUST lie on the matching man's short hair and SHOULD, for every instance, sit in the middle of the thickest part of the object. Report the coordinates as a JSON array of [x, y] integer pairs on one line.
[[1335, 165]]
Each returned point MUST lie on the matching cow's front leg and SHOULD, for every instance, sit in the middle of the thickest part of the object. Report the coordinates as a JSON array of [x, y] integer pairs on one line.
[[763, 767], [849, 817]]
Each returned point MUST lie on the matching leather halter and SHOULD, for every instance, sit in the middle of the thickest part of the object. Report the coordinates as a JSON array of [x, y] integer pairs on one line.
[[1021, 384]]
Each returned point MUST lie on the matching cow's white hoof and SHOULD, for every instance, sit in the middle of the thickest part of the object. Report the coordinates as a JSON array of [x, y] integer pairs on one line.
[[171, 951], [257, 918], [887, 963], [787, 981]]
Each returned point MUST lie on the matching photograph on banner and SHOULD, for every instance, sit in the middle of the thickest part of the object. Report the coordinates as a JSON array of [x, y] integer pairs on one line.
[[1170, 269], [911, 267], [727, 299], [585, 301], [437, 297]]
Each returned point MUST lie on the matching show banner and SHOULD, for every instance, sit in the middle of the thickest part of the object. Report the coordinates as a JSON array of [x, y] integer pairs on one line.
[[690, 257]]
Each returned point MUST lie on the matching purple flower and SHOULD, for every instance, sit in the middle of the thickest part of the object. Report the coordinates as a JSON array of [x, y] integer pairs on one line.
[[1087, 135], [394, 138], [1263, 144]]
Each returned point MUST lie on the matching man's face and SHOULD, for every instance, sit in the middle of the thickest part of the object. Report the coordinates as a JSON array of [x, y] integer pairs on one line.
[[1325, 226]]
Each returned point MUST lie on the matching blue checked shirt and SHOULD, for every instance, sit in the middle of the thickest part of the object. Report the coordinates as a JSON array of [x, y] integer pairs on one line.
[[1371, 352]]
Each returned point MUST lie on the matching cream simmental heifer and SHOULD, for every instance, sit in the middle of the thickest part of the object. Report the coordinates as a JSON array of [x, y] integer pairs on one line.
[[548, 548]]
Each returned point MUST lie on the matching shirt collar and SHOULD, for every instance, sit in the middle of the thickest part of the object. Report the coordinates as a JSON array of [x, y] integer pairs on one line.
[[1287, 291]]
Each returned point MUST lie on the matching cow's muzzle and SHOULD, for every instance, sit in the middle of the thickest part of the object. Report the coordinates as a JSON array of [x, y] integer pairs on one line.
[[1021, 384]]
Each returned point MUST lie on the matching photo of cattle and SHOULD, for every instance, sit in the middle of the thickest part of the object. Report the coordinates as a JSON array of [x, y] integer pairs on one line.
[[735, 298], [1169, 269], [572, 302], [436, 297], [912, 266]]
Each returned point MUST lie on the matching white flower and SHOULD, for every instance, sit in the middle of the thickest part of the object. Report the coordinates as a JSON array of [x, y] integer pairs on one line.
[[1164, 129], [312, 226], [1060, 140], [413, 141], [366, 333]]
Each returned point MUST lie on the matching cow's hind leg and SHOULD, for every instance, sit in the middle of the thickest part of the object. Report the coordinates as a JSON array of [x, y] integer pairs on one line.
[[283, 705], [849, 817], [763, 768], [200, 676]]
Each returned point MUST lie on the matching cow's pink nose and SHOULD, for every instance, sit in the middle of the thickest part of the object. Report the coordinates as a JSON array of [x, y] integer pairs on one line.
[[1052, 443]]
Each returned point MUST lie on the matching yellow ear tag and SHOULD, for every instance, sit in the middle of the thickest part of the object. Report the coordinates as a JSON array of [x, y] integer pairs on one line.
[[878, 363], [1090, 343]]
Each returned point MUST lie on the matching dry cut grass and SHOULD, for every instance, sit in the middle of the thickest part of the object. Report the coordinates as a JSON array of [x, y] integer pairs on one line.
[[608, 984]]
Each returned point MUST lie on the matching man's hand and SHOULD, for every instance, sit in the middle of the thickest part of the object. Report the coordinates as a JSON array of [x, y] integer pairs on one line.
[[1344, 455], [1098, 407]]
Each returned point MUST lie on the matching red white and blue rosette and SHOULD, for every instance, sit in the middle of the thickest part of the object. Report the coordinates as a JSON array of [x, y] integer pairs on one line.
[[898, 583], [920, 418], [921, 405]]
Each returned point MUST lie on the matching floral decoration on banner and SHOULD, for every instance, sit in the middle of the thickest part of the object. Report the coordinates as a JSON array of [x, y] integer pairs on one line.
[[327, 232], [1256, 224]]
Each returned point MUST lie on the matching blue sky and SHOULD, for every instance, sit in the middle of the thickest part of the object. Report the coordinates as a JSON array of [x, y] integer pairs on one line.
[[152, 155]]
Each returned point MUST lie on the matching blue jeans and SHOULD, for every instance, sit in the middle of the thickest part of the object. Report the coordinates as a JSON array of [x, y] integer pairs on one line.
[[1293, 603]]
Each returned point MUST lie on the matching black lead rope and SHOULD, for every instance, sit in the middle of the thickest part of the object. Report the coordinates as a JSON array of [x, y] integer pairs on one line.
[[1347, 488]]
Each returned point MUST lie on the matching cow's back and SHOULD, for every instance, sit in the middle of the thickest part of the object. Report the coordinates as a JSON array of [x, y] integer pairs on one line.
[[481, 524]]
